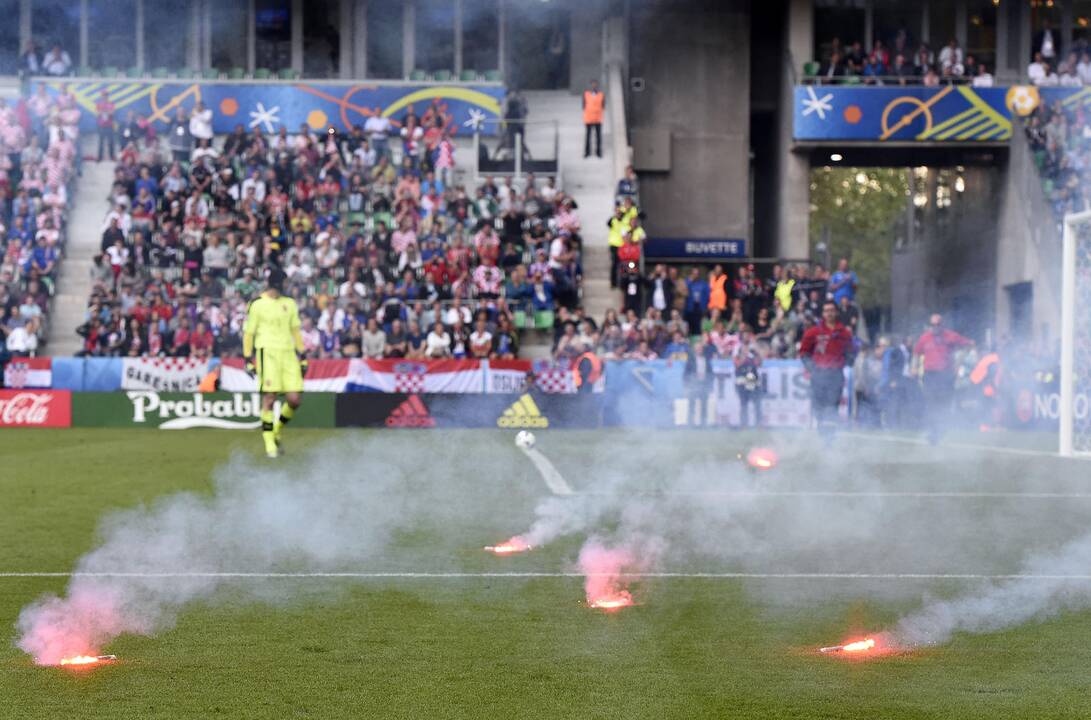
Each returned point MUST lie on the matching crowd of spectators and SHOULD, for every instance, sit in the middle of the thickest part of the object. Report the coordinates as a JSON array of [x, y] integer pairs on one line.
[[898, 64], [1060, 140], [386, 253], [39, 161]]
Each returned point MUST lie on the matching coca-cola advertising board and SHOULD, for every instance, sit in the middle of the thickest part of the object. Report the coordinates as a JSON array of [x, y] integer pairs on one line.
[[35, 408]]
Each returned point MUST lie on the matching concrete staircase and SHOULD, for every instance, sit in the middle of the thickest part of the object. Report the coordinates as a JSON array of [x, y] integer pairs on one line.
[[590, 181], [84, 240]]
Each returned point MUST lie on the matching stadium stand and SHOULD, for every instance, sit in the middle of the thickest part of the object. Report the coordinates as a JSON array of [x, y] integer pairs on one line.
[[383, 245], [1060, 140], [38, 167]]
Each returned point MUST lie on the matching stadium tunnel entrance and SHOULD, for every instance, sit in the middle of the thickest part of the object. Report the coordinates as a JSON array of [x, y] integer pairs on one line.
[[922, 223]]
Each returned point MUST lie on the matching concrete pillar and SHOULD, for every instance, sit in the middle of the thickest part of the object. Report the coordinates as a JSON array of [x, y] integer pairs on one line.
[[193, 37], [960, 24], [1001, 70], [297, 36], [251, 37], [926, 31], [206, 34], [344, 52], [409, 37], [869, 25], [138, 20], [25, 33], [502, 38], [85, 33], [1066, 29], [458, 38], [794, 171], [359, 41], [1025, 38]]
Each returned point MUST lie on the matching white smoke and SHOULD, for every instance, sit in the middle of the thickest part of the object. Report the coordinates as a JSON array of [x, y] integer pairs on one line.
[[338, 512]]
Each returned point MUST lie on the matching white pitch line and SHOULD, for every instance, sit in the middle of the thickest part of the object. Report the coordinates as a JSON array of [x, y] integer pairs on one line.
[[553, 479], [522, 575], [851, 493], [958, 446]]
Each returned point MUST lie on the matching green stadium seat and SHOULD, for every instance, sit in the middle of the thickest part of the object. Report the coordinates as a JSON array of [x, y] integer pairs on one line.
[[418, 76], [519, 317], [210, 74], [853, 80], [160, 73], [84, 71], [493, 76], [287, 74], [236, 73], [110, 72], [543, 319], [467, 76], [442, 75], [357, 218], [262, 73], [134, 73], [810, 69]]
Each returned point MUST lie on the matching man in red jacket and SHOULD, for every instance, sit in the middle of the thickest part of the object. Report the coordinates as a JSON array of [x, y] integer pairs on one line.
[[826, 349], [936, 348]]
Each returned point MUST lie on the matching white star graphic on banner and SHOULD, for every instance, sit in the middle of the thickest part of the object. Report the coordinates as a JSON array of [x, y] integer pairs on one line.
[[476, 121], [268, 118], [815, 104]]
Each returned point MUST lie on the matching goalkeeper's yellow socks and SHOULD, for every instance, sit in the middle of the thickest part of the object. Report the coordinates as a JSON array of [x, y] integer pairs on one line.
[[286, 413], [267, 433]]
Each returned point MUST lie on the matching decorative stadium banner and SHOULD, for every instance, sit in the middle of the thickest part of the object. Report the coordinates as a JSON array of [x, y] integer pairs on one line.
[[35, 408], [182, 411], [272, 105], [163, 374], [29, 373], [949, 113]]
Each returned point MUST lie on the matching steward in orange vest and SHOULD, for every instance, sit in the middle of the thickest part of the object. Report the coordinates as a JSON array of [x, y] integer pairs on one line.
[[586, 371], [594, 103]]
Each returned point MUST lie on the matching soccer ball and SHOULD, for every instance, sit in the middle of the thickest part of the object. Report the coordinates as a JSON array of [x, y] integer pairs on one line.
[[1022, 99], [524, 440]]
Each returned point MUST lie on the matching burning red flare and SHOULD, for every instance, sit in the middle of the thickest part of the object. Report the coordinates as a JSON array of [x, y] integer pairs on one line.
[[761, 458], [609, 603], [859, 646], [515, 545], [85, 660]]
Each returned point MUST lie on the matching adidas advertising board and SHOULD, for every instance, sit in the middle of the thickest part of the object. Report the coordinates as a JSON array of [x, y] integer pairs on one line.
[[523, 413]]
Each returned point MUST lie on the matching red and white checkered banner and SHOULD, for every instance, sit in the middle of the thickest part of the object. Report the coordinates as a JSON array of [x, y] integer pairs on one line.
[[29, 373], [555, 377], [415, 376], [163, 374]]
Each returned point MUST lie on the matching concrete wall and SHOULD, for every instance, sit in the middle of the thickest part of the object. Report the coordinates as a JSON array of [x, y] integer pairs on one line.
[[585, 62], [695, 60]]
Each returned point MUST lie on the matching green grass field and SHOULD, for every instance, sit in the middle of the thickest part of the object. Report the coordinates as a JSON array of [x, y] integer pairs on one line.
[[487, 646]]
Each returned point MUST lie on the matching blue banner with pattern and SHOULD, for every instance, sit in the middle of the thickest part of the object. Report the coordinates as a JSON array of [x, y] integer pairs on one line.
[[272, 105], [949, 113]]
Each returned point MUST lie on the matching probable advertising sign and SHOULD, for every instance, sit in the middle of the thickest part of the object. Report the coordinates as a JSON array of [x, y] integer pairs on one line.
[[183, 411], [35, 408]]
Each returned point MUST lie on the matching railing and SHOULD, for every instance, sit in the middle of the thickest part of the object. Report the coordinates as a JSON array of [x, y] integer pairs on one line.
[[520, 147]]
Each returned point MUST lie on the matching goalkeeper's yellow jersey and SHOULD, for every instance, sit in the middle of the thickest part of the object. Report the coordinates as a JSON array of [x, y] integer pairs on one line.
[[273, 323]]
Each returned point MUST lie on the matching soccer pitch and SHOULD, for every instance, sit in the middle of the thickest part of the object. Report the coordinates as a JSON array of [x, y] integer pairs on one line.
[[745, 575]]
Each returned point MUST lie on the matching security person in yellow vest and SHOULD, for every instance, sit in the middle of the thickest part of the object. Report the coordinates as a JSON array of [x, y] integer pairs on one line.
[[619, 224], [594, 103]]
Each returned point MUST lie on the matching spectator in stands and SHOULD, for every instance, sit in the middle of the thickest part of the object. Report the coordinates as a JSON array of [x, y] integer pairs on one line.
[[628, 186], [57, 62], [30, 62], [374, 340], [104, 120], [1036, 70], [1047, 43], [200, 125], [983, 78]]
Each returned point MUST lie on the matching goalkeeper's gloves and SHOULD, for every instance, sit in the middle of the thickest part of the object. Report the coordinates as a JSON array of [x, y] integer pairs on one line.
[[303, 362], [251, 368]]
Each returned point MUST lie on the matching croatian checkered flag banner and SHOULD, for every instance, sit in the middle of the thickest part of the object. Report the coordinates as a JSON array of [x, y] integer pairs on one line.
[[554, 377], [163, 374], [29, 373]]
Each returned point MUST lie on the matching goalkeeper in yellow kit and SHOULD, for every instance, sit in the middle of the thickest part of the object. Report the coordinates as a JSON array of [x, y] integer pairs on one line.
[[273, 348]]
